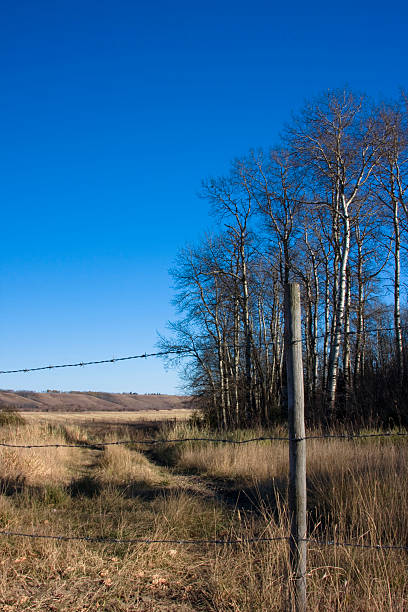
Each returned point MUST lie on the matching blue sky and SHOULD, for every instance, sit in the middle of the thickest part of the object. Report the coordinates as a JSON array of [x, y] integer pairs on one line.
[[111, 114]]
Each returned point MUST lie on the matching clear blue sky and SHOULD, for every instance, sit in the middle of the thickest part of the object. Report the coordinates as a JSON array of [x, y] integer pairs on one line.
[[111, 114]]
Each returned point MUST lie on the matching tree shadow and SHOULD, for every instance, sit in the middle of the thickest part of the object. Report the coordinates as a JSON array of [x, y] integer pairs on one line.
[[86, 486], [13, 486]]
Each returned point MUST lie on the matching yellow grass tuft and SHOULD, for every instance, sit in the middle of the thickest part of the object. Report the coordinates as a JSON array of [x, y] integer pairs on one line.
[[119, 465], [34, 466]]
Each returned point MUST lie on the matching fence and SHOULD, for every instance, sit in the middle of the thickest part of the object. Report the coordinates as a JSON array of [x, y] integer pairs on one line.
[[155, 441], [297, 438]]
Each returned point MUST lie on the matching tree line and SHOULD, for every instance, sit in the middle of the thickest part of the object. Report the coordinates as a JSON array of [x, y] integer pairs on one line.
[[326, 208]]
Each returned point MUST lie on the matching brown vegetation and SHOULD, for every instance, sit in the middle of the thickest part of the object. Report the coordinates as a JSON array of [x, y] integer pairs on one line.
[[108, 418], [197, 490], [55, 401]]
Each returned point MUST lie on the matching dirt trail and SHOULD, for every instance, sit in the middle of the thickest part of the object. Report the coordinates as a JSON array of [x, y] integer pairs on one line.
[[84, 462]]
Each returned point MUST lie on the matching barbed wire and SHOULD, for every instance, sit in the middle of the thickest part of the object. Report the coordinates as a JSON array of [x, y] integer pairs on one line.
[[98, 446], [175, 351], [354, 544], [219, 541], [140, 540], [178, 351], [351, 333], [182, 351], [351, 436], [148, 441]]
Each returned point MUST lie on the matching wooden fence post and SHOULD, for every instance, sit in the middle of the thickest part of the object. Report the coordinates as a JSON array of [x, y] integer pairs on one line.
[[297, 445]]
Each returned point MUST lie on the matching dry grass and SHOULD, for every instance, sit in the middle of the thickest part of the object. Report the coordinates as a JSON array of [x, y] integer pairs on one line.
[[111, 417], [356, 491], [119, 466], [252, 463], [361, 484], [33, 466]]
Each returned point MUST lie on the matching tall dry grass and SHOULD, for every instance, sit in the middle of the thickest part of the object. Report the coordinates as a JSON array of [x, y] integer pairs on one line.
[[356, 492], [358, 484], [30, 465], [119, 465]]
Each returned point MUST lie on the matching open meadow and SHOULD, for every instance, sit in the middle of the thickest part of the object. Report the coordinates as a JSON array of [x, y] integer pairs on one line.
[[108, 418], [194, 491]]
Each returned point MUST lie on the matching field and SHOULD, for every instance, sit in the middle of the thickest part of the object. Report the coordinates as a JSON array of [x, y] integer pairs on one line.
[[89, 401], [101, 418], [194, 491]]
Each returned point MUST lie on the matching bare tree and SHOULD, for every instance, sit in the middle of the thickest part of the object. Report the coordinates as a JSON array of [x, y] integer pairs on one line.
[[392, 190], [327, 208], [336, 141]]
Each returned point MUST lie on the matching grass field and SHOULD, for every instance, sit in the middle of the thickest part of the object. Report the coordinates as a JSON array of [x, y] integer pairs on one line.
[[107, 417], [357, 491]]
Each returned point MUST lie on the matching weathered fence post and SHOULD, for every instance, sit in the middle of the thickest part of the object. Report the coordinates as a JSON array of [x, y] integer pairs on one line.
[[297, 445]]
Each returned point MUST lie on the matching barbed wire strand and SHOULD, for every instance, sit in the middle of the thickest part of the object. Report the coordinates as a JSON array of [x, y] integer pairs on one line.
[[350, 333], [181, 351], [221, 541], [355, 544], [139, 540], [153, 441]]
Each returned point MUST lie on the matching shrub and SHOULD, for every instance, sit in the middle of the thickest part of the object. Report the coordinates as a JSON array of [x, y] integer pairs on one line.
[[8, 416]]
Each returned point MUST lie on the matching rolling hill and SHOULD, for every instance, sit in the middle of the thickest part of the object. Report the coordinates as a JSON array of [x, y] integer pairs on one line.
[[79, 401]]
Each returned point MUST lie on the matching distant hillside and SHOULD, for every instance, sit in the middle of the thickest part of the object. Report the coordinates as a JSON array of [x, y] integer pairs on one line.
[[78, 401]]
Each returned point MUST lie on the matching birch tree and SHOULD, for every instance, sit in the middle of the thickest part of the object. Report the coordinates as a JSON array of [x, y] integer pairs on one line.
[[336, 141]]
